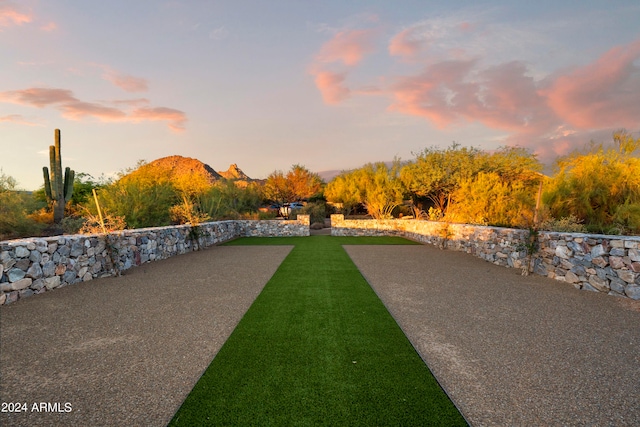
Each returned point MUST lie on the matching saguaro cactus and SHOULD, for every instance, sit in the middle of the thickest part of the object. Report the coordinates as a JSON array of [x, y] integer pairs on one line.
[[58, 188]]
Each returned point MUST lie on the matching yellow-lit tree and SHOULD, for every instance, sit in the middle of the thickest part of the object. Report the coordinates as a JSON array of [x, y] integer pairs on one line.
[[600, 187]]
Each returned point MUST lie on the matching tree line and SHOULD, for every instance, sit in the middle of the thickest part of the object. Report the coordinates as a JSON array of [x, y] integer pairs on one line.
[[594, 190]]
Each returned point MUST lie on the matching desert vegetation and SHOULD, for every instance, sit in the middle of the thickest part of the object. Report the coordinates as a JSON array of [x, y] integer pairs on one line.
[[594, 190]]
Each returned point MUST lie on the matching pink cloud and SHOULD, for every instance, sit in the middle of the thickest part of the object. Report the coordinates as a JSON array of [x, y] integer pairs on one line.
[[38, 97], [405, 44], [176, 118], [348, 47], [78, 110], [11, 15], [18, 119], [552, 116], [331, 86], [437, 94], [126, 82], [51, 26], [605, 93], [75, 109]]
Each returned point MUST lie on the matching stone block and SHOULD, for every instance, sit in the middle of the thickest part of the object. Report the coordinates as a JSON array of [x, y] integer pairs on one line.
[[21, 284], [571, 277], [23, 264], [69, 276], [35, 271], [35, 256], [37, 284], [77, 249], [22, 252], [26, 293], [52, 282], [617, 243], [616, 262], [632, 291], [15, 274], [617, 285], [600, 261], [634, 254], [563, 252], [626, 275], [598, 251], [600, 284]]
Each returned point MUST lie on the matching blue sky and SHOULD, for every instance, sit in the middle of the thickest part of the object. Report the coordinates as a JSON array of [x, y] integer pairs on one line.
[[329, 85]]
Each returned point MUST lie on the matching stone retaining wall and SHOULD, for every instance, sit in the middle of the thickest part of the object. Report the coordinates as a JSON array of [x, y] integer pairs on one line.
[[36, 265], [609, 264]]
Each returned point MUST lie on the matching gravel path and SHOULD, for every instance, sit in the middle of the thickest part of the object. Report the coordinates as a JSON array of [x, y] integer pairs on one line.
[[512, 350], [127, 350]]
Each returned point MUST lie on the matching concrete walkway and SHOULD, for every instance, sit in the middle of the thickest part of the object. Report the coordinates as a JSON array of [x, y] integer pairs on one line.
[[126, 351], [510, 350]]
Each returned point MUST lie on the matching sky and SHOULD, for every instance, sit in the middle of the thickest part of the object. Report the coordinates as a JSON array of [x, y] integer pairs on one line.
[[330, 85]]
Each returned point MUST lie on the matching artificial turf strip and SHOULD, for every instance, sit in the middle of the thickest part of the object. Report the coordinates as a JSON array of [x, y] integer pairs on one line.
[[317, 347]]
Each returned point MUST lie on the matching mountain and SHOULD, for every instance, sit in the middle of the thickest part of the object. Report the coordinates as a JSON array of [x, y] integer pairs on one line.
[[234, 172], [179, 166]]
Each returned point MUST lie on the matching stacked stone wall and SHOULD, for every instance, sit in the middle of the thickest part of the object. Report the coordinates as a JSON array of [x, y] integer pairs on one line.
[[608, 264], [37, 265]]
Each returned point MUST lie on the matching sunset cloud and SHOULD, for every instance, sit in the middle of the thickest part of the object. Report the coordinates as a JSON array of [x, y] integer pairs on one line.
[[18, 119], [10, 14], [126, 82], [405, 44], [176, 118], [605, 93], [74, 109], [331, 86], [348, 47], [51, 26], [550, 115], [79, 110], [38, 97]]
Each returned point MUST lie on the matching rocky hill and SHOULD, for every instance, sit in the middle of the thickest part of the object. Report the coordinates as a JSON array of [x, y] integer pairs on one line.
[[234, 172], [177, 166]]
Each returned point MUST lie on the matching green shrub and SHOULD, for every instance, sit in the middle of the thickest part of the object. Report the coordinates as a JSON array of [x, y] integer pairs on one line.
[[568, 224], [317, 211], [15, 207]]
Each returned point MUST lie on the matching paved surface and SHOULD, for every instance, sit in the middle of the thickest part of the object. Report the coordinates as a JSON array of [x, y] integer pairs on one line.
[[512, 350], [126, 351]]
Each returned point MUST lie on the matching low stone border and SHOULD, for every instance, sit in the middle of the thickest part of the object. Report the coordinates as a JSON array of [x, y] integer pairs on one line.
[[608, 264], [36, 265]]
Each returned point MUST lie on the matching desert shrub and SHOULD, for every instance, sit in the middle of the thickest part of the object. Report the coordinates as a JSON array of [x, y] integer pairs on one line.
[[187, 212], [264, 215], [226, 200], [15, 207], [376, 186], [490, 199], [471, 185], [72, 224], [316, 210], [567, 224], [297, 184], [600, 187]]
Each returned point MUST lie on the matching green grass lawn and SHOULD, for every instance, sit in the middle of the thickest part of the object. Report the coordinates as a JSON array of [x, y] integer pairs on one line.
[[317, 347]]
